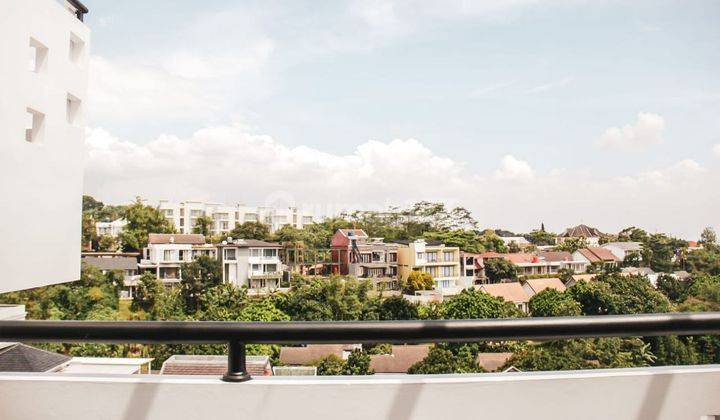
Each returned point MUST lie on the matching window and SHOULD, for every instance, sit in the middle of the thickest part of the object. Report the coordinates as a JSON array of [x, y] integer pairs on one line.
[[73, 109], [167, 255], [255, 268], [420, 255], [35, 126], [447, 272], [38, 55], [448, 256], [431, 257], [76, 48], [270, 253], [392, 257], [230, 254], [254, 252], [365, 258], [270, 268], [377, 256]]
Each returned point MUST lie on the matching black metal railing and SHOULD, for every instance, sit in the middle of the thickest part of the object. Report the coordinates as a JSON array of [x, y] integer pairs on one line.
[[238, 334]]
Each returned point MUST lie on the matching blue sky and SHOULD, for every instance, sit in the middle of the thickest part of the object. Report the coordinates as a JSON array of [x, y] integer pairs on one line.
[[512, 100]]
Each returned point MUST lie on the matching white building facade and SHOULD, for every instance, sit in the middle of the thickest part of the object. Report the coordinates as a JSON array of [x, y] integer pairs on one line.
[[167, 252], [251, 263], [184, 215], [112, 229], [43, 86]]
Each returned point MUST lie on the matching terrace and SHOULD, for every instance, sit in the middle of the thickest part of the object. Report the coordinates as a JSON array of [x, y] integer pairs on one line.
[[643, 393]]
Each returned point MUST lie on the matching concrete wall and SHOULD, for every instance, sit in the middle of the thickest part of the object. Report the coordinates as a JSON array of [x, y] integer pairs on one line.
[[40, 182], [625, 394]]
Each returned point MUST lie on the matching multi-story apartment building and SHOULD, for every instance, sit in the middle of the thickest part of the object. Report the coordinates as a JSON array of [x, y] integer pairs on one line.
[[251, 263], [184, 214], [363, 257], [542, 263], [43, 85], [166, 253], [113, 228], [440, 261]]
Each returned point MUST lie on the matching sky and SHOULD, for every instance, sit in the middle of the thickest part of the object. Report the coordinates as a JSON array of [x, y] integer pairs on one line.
[[523, 111]]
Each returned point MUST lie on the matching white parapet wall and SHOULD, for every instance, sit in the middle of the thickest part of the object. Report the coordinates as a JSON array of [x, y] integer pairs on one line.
[[668, 393], [43, 85]]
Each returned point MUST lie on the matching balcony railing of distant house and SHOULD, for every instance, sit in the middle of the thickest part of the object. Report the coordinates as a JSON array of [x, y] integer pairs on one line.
[[238, 334], [267, 275]]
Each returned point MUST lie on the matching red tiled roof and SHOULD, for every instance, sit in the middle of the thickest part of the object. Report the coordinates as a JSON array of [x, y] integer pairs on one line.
[[538, 285], [555, 256], [510, 292], [311, 353], [212, 365], [597, 254], [400, 360], [492, 361]]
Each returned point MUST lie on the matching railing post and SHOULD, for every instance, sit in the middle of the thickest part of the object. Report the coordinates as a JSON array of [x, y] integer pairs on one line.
[[236, 370]]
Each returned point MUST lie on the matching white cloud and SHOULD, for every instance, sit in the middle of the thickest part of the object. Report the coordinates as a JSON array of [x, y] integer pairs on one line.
[[644, 133], [512, 168], [226, 163], [716, 150]]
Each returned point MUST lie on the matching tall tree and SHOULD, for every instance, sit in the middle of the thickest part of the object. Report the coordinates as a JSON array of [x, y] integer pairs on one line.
[[203, 225], [142, 220], [474, 304], [499, 269], [708, 236], [417, 280], [251, 230], [197, 276], [550, 302]]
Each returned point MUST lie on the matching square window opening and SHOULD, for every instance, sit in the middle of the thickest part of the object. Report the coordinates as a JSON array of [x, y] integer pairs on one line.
[[34, 126], [38, 56], [77, 46], [73, 108]]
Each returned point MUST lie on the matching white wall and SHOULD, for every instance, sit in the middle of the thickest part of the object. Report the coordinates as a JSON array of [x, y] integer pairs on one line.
[[624, 394], [40, 183]]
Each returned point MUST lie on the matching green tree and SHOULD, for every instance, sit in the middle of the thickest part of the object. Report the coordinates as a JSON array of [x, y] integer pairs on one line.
[[142, 220], [583, 354], [223, 302], [659, 250], [492, 242], [703, 261], [203, 225], [330, 366], [475, 304], [89, 233], [197, 276], [441, 360], [417, 280], [571, 244], [333, 299], [358, 363], [541, 238], [708, 236], [146, 292], [616, 294], [551, 302], [499, 269], [397, 308], [673, 288], [251, 230], [107, 243]]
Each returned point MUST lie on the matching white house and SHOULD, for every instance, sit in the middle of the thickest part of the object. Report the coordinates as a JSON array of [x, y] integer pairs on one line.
[[184, 215], [113, 228], [43, 86], [251, 263], [167, 252], [622, 249]]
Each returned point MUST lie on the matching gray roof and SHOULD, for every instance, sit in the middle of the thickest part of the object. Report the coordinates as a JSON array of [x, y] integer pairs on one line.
[[116, 263], [22, 358], [581, 231]]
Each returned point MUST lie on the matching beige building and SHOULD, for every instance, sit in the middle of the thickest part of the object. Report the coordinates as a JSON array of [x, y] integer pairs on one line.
[[440, 261]]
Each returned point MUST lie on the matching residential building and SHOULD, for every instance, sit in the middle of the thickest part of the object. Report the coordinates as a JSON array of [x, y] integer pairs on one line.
[[181, 364], [167, 252], [520, 241], [251, 263], [313, 353], [43, 80], [648, 272], [535, 286], [112, 229], [440, 261], [565, 259], [624, 249], [184, 215], [127, 265], [596, 256], [472, 267], [591, 235], [12, 312], [511, 292], [366, 258]]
